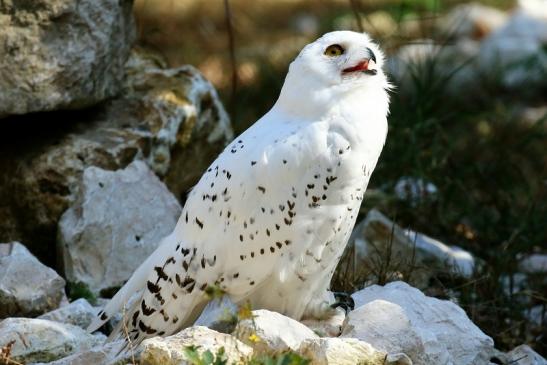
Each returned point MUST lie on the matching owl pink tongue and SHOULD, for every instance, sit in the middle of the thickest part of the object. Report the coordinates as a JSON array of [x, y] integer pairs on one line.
[[361, 66]]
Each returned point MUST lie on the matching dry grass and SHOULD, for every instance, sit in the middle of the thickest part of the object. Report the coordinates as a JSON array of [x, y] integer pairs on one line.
[[5, 354]]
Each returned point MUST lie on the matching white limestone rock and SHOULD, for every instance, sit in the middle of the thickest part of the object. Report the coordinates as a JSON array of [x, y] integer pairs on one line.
[[342, 351], [116, 213], [171, 350], [456, 260], [40, 340], [409, 249], [182, 110], [105, 354], [272, 333], [27, 287], [328, 327], [171, 118], [524, 355], [398, 318], [61, 54], [78, 313]]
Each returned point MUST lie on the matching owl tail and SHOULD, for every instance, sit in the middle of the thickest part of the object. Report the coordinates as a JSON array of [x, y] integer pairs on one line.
[[130, 293], [157, 300]]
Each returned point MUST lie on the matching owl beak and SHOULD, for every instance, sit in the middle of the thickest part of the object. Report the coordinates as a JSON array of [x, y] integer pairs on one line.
[[367, 65]]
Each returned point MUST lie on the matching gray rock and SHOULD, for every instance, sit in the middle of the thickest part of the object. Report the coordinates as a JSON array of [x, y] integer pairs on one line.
[[414, 256], [170, 118], [220, 315], [39, 340], [490, 49], [414, 190], [62, 53], [27, 288], [537, 314], [118, 220], [534, 264], [272, 333], [105, 354], [185, 114], [398, 318], [115, 318], [513, 284], [398, 359], [171, 350], [524, 355], [471, 20], [342, 351], [328, 327], [78, 313], [532, 115], [514, 54]]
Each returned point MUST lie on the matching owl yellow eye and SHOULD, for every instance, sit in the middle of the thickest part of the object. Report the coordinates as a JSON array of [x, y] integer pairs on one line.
[[334, 50]]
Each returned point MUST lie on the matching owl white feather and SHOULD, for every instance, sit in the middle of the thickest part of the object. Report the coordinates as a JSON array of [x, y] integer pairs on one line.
[[269, 219]]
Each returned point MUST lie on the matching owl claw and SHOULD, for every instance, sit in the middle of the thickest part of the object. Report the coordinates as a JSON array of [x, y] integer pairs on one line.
[[344, 301]]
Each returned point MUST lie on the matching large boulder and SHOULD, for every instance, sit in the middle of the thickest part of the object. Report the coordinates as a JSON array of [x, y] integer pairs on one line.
[[178, 349], [272, 333], [117, 221], [78, 313], [398, 318], [27, 287], [39, 340], [62, 53], [170, 118]]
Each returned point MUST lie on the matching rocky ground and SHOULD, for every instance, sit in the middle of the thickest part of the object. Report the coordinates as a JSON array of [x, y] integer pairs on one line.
[[102, 141], [391, 324]]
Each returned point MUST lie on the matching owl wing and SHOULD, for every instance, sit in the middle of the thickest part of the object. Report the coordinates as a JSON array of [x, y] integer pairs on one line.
[[269, 195]]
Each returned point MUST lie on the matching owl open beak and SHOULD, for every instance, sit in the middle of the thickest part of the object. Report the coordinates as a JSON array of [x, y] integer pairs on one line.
[[367, 66]]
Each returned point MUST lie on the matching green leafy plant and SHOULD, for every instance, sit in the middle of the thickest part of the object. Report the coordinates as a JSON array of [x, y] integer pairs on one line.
[[206, 357], [219, 358], [80, 290], [288, 358]]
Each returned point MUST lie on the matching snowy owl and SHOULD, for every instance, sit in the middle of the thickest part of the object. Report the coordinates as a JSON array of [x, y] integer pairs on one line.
[[268, 221]]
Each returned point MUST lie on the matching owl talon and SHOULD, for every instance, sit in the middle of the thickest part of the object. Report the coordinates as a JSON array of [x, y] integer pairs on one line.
[[344, 301]]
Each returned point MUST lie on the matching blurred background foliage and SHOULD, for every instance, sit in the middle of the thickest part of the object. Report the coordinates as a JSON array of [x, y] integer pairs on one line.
[[479, 146]]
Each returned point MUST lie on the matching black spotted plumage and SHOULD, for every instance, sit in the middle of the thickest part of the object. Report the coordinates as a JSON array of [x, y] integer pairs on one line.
[[269, 219]]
